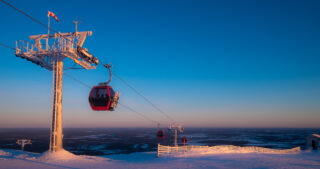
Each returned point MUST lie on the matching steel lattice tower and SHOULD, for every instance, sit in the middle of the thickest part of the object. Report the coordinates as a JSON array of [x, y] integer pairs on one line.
[[49, 51]]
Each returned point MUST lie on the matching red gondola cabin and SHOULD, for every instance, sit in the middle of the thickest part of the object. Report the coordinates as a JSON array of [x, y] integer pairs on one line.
[[160, 134], [103, 98], [184, 140]]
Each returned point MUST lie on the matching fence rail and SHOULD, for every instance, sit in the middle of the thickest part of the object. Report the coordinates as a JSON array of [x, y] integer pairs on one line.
[[167, 150], [178, 150]]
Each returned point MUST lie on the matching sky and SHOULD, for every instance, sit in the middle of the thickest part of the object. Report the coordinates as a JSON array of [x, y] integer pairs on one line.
[[229, 63]]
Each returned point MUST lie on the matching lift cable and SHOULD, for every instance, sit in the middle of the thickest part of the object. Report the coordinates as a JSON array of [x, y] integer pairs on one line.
[[73, 78], [142, 115], [4, 45], [88, 86], [32, 18], [122, 80], [127, 107], [146, 99]]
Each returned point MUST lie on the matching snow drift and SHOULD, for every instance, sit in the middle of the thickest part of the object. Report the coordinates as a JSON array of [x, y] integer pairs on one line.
[[3, 153], [61, 155]]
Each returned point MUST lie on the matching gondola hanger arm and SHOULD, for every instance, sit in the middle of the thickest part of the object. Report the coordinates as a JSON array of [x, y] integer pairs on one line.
[[108, 66]]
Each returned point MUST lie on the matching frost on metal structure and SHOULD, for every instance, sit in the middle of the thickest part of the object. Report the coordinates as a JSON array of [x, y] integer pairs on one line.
[[175, 127], [23, 142], [62, 45], [49, 51]]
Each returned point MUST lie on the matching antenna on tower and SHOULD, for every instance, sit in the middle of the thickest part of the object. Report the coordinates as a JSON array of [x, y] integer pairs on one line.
[[76, 22]]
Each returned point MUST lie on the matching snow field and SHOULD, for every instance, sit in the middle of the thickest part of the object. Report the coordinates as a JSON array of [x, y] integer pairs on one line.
[[212, 157]]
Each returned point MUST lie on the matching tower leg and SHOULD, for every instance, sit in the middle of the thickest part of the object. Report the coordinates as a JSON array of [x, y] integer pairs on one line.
[[175, 138], [56, 126]]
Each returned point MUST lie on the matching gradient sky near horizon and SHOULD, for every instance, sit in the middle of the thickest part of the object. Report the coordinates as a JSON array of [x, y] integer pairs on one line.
[[232, 63]]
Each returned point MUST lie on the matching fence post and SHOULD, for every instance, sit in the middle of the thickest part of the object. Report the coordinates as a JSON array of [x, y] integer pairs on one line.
[[158, 150]]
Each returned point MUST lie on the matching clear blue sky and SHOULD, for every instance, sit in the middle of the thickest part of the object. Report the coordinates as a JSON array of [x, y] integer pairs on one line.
[[206, 63]]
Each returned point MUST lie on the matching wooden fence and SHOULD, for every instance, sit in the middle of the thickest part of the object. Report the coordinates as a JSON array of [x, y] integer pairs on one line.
[[167, 150]]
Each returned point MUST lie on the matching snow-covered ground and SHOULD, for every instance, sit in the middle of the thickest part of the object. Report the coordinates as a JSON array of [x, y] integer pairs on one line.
[[213, 157]]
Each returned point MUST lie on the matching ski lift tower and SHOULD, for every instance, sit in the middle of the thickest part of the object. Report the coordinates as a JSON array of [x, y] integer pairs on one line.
[[49, 51], [176, 127]]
